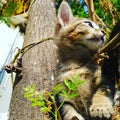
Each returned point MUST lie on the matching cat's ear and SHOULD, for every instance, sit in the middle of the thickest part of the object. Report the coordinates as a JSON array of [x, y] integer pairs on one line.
[[64, 14]]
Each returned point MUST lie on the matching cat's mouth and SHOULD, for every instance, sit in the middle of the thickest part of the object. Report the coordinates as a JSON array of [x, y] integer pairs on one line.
[[96, 39]]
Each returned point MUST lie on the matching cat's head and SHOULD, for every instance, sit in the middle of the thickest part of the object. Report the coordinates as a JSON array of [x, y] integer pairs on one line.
[[78, 31]]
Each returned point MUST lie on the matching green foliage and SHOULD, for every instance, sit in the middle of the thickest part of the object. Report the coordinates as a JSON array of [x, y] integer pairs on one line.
[[78, 9], [1, 5], [116, 4], [103, 13], [45, 100], [10, 9], [73, 83], [5, 13], [5, 20]]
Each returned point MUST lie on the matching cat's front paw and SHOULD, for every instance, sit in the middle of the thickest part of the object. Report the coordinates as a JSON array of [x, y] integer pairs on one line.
[[69, 113], [73, 117], [101, 109]]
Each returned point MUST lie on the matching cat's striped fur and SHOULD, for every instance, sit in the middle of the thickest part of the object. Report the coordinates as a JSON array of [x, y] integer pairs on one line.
[[77, 42]]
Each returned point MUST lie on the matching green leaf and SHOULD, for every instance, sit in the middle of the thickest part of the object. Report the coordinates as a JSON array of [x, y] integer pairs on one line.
[[42, 103], [41, 96], [33, 104], [73, 87], [75, 78], [6, 20], [63, 93], [10, 9], [58, 88], [44, 109], [73, 95], [74, 82], [68, 84]]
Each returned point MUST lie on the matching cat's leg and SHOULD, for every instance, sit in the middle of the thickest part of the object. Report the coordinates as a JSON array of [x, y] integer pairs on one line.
[[69, 113], [102, 103]]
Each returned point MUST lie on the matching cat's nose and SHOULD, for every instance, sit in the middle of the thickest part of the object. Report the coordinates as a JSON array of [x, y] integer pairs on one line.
[[103, 32], [100, 37], [103, 35]]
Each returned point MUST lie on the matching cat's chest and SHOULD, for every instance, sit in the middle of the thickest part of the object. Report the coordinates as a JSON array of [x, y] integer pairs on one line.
[[91, 75]]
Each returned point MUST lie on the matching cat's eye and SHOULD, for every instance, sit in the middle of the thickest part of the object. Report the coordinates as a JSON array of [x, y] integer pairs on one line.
[[89, 23], [82, 32]]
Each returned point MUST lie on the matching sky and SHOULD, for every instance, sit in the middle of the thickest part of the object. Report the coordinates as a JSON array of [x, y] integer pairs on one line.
[[8, 38]]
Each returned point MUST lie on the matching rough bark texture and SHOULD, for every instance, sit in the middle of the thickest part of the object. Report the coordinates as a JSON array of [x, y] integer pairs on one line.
[[38, 63]]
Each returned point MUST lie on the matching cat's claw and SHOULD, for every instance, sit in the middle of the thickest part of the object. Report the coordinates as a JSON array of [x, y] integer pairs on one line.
[[101, 110]]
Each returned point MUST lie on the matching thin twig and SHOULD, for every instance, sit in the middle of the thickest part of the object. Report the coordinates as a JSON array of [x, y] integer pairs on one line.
[[31, 45], [90, 9], [55, 105], [113, 43], [102, 53]]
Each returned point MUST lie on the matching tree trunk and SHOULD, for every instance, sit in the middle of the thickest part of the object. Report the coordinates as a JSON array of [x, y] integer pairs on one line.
[[38, 63]]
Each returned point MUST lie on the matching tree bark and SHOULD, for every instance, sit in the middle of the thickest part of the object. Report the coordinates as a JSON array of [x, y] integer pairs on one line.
[[38, 63]]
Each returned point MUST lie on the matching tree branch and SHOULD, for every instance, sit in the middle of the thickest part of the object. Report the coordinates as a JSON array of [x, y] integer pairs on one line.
[[90, 9], [112, 44]]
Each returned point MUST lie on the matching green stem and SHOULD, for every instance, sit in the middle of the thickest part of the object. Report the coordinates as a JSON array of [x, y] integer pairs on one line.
[[57, 114], [64, 100], [52, 113], [56, 117]]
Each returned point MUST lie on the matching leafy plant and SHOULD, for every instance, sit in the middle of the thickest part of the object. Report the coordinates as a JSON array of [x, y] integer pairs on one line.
[[79, 9], [12, 8], [46, 100]]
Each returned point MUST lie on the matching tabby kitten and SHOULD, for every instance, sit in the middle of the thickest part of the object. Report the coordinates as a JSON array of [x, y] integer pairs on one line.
[[77, 42]]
